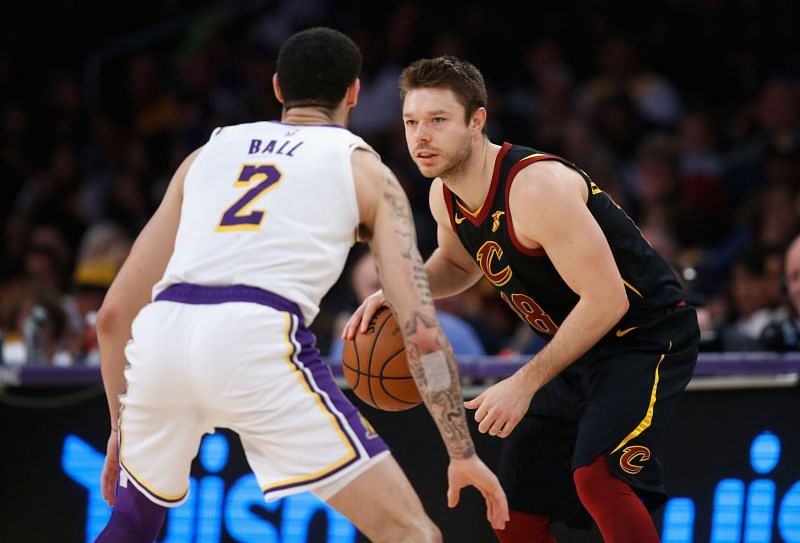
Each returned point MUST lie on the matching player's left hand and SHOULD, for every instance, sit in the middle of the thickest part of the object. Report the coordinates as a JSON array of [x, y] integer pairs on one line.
[[500, 407], [472, 471], [108, 480]]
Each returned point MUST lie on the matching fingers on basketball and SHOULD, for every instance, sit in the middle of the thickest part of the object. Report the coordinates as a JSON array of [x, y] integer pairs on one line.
[[375, 366]]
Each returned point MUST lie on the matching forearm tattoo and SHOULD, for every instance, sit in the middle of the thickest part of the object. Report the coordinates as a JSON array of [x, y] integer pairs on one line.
[[444, 402], [442, 393]]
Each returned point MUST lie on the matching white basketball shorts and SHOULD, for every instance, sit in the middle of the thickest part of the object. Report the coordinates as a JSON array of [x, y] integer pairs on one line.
[[235, 357]]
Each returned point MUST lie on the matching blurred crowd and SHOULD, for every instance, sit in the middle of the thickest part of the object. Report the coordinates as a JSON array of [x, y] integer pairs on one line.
[[687, 113]]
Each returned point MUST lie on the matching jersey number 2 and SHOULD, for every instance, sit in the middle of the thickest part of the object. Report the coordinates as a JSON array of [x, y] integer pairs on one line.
[[259, 179]]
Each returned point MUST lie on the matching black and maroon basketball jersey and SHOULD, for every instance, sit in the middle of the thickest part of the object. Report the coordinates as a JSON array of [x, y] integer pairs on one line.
[[527, 279]]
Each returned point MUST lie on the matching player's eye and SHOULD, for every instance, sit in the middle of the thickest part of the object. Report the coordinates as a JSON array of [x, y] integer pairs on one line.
[[410, 123], [438, 120]]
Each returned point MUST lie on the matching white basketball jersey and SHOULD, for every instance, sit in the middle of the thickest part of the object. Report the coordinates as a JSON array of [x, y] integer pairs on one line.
[[268, 205]]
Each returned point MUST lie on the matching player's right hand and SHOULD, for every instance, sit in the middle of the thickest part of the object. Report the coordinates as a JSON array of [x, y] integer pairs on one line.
[[472, 471], [108, 479], [360, 319]]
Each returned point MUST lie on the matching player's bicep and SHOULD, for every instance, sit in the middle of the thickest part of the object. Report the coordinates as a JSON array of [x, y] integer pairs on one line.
[[366, 169], [552, 212], [581, 254], [394, 243]]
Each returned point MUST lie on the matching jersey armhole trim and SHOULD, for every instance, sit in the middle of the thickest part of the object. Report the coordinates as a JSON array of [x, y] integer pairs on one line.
[[509, 222], [448, 201]]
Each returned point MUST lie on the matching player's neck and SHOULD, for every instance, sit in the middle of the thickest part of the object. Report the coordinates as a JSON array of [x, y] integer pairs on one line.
[[314, 116], [472, 181]]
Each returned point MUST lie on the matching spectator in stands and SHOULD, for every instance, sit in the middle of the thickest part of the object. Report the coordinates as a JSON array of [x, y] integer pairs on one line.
[[751, 303], [784, 335], [48, 257], [90, 282], [24, 300], [77, 150]]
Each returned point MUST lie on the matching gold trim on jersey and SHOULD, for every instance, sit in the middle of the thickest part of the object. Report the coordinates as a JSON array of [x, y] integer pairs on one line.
[[291, 359], [634, 289], [532, 155], [648, 417], [171, 498], [466, 211]]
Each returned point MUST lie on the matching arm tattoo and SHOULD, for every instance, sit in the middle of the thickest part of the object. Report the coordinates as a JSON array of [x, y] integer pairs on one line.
[[424, 335], [445, 405], [400, 210]]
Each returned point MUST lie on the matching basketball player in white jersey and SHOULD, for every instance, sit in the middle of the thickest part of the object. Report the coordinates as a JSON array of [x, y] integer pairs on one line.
[[211, 312]]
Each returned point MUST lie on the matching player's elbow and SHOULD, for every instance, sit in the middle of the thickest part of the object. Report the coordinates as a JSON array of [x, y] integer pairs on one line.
[[619, 303], [427, 341], [109, 318]]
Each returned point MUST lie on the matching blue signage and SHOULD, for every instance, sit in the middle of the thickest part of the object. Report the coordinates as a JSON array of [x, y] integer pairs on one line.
[[749, 510], [211, 507], [743, 512]]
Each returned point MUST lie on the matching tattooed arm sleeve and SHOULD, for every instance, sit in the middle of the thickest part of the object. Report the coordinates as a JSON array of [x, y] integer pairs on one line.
[[405, 284]]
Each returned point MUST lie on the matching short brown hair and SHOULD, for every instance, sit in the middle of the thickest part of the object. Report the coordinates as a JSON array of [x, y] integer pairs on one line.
[[447, 72]]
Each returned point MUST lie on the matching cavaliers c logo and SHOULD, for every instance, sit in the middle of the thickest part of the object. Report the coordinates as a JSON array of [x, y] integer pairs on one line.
[[632, 457], [489, 252]]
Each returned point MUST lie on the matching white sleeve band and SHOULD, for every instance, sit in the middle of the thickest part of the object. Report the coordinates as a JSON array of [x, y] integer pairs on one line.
[[437, 374]]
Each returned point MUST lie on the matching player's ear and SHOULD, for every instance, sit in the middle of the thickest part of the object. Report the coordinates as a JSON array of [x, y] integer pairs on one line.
[[351, 98], [277, 88], [478, 120]]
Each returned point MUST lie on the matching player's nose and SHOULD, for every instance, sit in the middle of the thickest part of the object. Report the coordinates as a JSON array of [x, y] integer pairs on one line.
[[422, 134]]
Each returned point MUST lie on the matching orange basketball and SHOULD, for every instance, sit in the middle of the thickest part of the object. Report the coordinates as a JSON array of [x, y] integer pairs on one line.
[[375, 365]]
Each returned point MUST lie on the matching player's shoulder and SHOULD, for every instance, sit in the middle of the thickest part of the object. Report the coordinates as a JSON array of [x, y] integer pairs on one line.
[[545, 178], [436, 192], [437, 202], [370, 174], [366, 161]]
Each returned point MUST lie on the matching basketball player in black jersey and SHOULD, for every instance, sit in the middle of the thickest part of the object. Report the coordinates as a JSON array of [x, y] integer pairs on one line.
[[581, 421]]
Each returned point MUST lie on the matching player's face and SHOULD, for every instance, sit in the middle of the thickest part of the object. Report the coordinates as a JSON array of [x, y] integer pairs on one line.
[[437, 134]]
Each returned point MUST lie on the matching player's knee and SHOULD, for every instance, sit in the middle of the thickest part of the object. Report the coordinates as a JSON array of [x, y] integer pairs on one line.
[[427, 532], [410, 530], [590, 482], [526, 528]]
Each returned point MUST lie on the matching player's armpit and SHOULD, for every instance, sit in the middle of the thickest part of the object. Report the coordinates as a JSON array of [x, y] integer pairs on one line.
[[451, 269]]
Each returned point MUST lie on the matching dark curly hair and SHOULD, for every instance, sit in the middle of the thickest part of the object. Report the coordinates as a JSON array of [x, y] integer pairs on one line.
[[316, 66]]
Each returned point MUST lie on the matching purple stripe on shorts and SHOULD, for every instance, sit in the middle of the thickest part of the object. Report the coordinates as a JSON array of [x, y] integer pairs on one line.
[[322, 380], [309, 356], [187, 293]]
